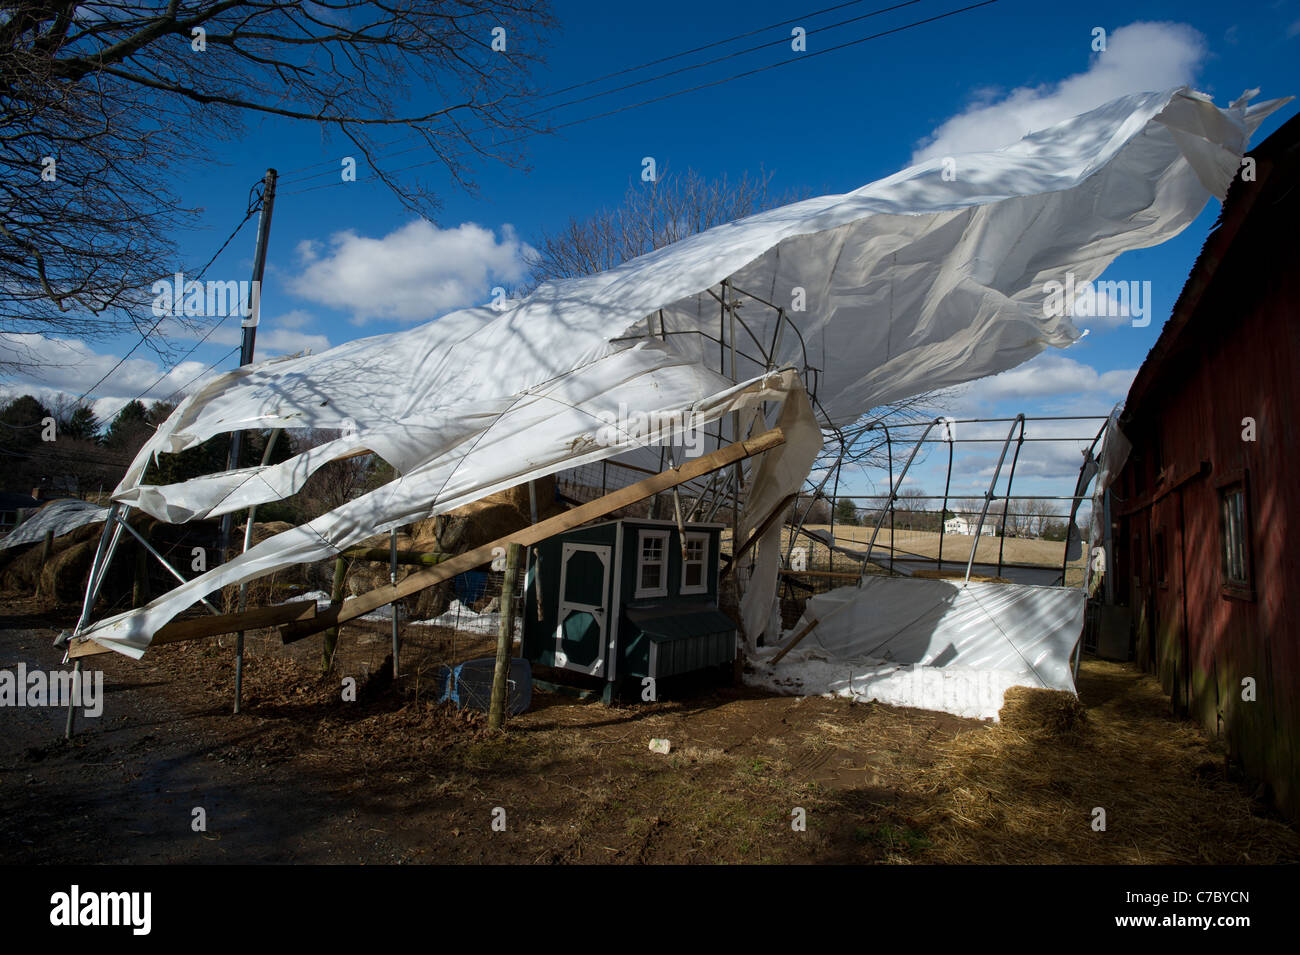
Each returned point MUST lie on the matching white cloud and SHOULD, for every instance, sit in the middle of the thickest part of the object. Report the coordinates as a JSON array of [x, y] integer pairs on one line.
[[295, 319], [1139, 57], [416, 272], [72, 365], [63, 368], [1052, 375]]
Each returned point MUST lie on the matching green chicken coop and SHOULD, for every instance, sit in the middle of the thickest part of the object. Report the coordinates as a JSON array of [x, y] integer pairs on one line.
[[624, 600]]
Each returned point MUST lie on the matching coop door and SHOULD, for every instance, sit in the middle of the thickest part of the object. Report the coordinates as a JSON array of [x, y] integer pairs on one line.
[[583, 628]]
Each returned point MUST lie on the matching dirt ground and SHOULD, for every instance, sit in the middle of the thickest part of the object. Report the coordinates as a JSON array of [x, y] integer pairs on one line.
[[395, 777]]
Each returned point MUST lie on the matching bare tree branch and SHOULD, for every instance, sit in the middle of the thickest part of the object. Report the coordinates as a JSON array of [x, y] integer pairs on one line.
[[101, 103]]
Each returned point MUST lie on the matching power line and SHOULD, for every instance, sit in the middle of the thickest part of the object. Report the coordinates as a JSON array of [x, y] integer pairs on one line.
[[252, 208], [287, 180], [725, 56], [700, 86], [771, 66]]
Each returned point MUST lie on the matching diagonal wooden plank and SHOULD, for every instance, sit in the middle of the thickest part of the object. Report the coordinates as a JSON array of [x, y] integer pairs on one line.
[[663, 481], [210, 626]]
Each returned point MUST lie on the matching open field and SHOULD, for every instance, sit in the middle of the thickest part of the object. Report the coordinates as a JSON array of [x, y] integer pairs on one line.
[[302, 776], [956, 548]]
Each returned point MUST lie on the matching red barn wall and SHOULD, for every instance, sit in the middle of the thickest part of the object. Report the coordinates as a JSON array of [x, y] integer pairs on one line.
[[1238, 357]]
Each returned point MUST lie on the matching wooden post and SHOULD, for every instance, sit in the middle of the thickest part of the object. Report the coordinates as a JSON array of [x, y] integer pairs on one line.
[[47, 549], [336, 598], [505, 639]]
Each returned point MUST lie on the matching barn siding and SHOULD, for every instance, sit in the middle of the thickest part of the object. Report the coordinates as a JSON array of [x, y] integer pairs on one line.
[[1238, 356]]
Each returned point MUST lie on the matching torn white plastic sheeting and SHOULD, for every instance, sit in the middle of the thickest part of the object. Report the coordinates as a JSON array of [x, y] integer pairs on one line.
[[1115, 449], [558, 434], [58, 516], [914, 282], [933, 644]]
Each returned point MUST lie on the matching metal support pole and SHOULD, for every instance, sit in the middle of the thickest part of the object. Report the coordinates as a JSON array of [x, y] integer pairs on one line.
[[947, 483], [72, 699], [249, 325], [735, 424], [108, 539], [103, 554], [894, 485], [988, 495], [1006, 502], [812, 500], [159, 557], [243, 588]]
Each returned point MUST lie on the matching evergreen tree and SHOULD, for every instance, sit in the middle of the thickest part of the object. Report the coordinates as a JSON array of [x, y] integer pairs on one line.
[[80, 424], [21, 422], [130, 428], [846, 512]]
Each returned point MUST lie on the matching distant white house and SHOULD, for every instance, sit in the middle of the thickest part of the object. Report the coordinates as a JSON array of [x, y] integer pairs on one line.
[[959, 525]]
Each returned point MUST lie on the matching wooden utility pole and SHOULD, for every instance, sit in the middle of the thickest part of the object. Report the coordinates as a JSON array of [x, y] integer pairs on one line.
[[505, 638], [250, 329]]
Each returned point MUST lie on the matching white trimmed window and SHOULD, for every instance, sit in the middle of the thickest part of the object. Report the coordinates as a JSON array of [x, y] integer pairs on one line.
[[695, 565], [652, 564]]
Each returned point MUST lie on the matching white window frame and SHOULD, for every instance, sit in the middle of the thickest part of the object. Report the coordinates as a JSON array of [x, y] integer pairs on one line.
[[703, 586], [662, 589]]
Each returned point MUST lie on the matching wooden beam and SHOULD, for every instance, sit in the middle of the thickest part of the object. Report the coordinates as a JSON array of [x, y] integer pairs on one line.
[[808, 628], [753, 538], [422, 579], [210, 626]]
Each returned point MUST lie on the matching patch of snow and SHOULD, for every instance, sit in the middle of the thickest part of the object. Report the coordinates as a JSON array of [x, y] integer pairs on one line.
[[460, 617], [962, 691]]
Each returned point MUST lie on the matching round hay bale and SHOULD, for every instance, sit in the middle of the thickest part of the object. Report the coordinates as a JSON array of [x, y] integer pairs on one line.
[[64, 577], [23, 566], [1033, 711], [478, 523]]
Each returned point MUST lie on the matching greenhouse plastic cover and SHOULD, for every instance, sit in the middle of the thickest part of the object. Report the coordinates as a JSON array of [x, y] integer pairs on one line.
[[60, 516], [941, 644], [915, 282]]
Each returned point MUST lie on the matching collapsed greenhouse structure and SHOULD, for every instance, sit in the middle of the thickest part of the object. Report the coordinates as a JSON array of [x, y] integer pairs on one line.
[[775, 336]]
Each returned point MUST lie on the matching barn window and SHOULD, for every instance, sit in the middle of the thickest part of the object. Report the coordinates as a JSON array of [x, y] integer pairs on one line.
[[696, 560], [652, 564], [1232, 524]]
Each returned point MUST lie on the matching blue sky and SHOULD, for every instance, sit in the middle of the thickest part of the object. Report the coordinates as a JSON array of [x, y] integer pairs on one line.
[[339, 253]]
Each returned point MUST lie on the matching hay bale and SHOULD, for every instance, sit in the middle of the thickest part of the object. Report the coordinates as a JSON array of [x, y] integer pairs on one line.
[[22, 565], [264, 531], [1037, 712], [64, 578], [483, 521]]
